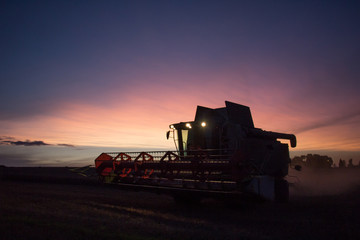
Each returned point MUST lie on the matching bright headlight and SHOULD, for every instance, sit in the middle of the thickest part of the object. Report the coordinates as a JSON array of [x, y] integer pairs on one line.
[[203, 124], [188, 125]]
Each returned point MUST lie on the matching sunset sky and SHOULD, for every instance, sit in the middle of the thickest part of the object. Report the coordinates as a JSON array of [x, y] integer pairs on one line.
[[81, 77]]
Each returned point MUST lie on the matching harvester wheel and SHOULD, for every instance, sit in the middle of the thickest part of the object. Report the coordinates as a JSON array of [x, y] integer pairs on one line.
[[186, 199], [101, 179], [281, 191]]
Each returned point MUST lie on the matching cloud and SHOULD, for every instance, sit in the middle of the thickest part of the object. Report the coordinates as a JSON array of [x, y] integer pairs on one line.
[[65, 145], [328, 122], [6, 140], [26, 143]]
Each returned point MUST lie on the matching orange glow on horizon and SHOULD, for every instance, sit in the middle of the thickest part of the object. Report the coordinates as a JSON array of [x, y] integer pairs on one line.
[[143, 122]]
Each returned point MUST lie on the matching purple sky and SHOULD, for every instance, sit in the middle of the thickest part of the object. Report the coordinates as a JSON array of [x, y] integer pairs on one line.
[[116, 73]]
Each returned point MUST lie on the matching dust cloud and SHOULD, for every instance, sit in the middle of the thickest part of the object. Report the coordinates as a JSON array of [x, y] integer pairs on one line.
[[321, 182]]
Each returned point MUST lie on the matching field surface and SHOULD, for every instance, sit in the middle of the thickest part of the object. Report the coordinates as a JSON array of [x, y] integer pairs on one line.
[[67, 207]]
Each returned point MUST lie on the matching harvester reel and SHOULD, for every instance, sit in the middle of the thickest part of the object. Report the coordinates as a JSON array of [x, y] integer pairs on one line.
[[123, 158], [166, 172], [145, 157]]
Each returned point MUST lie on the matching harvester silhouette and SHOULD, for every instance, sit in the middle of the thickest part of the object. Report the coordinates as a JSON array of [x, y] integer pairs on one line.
[[219, 153]]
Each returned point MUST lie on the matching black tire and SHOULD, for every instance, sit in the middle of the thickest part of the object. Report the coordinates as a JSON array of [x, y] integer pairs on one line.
[[101, 179], [184, 199], [281, 191]]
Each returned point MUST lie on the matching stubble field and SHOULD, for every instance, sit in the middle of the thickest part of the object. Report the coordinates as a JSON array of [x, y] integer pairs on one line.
[[32, 208]]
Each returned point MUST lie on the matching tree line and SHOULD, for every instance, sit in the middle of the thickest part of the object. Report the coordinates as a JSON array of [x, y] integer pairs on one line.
[[321, 161]]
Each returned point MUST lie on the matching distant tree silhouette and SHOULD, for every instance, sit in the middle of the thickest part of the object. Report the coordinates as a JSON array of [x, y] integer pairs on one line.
[[342, 163], [313, 160], [350, 164], [298, 160], [318, 161]]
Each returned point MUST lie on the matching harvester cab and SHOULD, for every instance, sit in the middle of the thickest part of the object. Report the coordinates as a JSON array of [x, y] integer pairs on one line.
[[231, 129], [220, 151]]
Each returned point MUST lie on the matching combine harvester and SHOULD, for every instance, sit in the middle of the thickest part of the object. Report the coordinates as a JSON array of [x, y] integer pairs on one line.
[[221, 153]]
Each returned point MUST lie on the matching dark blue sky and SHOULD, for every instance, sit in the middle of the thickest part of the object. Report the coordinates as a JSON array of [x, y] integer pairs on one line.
[[297, 61]]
